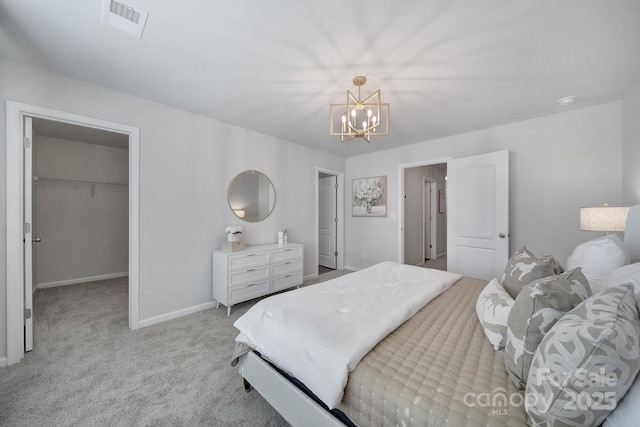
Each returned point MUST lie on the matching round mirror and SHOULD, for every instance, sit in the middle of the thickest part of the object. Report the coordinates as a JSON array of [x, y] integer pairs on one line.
[[251, 196]]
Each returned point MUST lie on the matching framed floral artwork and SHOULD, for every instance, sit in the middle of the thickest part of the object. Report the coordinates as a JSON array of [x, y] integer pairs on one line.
[[369, 196]]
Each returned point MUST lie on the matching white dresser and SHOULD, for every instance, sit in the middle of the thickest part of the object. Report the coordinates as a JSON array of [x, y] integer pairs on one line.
[[255, 271]]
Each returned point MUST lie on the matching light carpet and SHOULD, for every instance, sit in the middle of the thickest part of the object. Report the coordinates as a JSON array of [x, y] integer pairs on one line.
[[89, 369]]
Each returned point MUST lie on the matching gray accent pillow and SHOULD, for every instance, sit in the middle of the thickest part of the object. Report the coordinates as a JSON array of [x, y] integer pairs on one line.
[[524, 267], [586, 364], [535, 310]]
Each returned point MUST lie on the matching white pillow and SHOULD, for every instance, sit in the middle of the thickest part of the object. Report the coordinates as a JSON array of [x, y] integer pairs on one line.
[[493, 306], [625, 274], [598, 257], [626, 413]]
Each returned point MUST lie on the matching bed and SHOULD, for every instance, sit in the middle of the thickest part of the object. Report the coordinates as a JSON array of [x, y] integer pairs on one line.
[[435, 368]]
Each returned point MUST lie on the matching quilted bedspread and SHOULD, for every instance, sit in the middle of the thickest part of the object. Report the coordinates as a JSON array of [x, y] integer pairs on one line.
[[436, 369]]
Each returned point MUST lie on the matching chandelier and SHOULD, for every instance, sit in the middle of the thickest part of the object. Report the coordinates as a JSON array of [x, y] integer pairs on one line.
[[359, 118]]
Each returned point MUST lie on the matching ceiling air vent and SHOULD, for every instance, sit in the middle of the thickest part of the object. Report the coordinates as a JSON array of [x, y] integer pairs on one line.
[[124, 17]]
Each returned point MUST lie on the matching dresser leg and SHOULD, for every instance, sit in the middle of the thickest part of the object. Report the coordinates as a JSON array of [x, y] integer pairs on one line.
[[228, 311], [217, 304]]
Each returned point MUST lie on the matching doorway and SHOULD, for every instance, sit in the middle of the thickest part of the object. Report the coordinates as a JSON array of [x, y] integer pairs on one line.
[[424, 223], [80, 205], [329, 220], [20, 233]]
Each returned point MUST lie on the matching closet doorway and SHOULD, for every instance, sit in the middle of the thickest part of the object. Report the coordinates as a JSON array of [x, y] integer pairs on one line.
[[329, 220], [80, 204], [20, 201]]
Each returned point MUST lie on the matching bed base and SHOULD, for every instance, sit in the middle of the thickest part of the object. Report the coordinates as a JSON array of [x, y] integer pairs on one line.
[[291, 402]]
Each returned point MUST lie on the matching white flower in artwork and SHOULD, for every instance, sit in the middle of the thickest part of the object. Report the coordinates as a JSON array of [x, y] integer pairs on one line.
[[368, 193]]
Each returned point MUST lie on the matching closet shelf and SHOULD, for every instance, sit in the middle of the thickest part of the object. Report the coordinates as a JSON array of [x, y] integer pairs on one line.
[[77, 181]]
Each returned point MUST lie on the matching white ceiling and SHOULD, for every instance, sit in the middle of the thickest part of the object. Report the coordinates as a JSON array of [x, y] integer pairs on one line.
[[445, 67]]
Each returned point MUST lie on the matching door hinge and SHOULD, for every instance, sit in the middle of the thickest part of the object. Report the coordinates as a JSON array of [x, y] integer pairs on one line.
[[336, 253], [336, 186], [26, 142], [27, 228], [27, 313], [335, 219]]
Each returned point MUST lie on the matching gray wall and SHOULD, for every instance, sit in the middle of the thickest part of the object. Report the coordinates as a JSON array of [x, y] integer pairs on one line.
[[186, 163], [84, 235], [558, 163], [631, 145]]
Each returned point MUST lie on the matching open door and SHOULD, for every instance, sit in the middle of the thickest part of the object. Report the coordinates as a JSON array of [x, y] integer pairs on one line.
[[327, 221], [478, 209], [28, 234]]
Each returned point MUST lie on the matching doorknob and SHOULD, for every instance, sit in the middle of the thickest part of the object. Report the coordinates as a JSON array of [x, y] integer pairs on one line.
[[501, 235], [37, 240]]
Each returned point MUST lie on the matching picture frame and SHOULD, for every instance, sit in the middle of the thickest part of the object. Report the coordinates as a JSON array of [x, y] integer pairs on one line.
[[441, 201], [369, 197]]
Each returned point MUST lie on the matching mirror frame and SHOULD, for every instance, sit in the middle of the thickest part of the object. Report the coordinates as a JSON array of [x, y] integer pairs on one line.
[[275, 196]]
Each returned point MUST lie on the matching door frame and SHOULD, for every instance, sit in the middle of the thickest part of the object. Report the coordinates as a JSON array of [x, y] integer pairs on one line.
[[401, 169], [339, 212], [430, 216], [15, 112]]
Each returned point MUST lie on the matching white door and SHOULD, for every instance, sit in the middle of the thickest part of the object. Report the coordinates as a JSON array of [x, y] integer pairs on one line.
[[327, 199], [478, 215], [28, 234]]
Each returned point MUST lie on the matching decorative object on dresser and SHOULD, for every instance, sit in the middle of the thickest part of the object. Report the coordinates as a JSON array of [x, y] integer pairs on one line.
[[233, 241], [255, 271]]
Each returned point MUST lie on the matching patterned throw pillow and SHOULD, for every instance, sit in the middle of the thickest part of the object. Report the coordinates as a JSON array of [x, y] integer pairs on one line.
[[536, 309], [493, 307], [524, 267], [587, 363]]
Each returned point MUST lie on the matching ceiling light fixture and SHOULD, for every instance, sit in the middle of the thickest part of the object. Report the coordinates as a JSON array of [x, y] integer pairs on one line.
[[359, 118], [567, 100]]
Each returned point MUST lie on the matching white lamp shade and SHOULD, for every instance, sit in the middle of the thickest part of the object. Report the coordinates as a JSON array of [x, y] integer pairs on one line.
[[603, 218]]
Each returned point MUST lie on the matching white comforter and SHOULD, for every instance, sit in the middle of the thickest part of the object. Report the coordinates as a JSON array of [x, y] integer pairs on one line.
[[319, 333]]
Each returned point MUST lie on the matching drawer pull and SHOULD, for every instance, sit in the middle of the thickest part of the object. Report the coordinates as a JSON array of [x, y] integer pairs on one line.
[[288, 275], [251, 269], [249, 284], [251, 254], [288, 262]]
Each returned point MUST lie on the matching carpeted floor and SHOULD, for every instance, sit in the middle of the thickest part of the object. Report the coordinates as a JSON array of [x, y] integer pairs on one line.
[[439, 263], [89, 369]]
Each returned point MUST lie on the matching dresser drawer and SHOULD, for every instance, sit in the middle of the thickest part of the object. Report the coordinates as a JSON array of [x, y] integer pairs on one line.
[[284, 267], [248, 260], [248, 291], [286, 281], [286, 254], [237, 277]]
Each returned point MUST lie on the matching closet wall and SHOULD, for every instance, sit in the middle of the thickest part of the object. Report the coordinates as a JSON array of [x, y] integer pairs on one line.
[[83, 225]]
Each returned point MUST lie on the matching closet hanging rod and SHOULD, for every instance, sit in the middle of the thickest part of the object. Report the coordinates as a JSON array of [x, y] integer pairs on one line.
[[77, 181]]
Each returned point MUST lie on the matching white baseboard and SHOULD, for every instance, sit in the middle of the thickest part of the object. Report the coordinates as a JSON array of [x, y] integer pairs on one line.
[[442, 254], [352, 268], [310, 276], [80, 280], [3, 362], [175, 314]]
